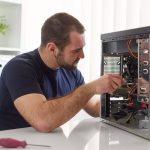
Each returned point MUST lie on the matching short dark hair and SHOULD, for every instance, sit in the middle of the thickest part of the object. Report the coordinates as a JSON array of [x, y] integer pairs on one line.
[[57, 28]]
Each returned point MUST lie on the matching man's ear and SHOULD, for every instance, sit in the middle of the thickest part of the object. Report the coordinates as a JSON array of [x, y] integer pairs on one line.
[[52, 48]]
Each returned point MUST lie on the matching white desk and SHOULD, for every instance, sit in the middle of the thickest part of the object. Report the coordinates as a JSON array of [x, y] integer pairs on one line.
[[88, 134]]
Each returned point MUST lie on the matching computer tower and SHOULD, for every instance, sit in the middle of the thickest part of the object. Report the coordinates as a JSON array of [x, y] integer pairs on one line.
[[128, 53]]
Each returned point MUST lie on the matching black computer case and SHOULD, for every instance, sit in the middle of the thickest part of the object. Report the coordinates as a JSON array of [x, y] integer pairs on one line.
[[128, 53]]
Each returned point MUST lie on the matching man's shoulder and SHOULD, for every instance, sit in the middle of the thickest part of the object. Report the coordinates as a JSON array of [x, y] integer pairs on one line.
[[25, 57], [20, 62], [22, 58]]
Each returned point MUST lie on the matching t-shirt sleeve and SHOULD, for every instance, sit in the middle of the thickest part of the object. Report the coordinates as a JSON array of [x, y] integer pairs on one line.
[[20, 78]]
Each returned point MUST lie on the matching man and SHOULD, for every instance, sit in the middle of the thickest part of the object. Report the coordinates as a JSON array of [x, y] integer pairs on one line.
[[43, 88]]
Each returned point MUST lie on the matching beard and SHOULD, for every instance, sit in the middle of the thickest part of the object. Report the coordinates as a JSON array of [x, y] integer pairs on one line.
[[62, 63]]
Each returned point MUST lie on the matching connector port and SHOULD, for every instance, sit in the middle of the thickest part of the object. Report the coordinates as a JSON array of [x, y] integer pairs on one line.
[[145, 63], [145, 71], [146, 99], [145, 51], [143, 90]]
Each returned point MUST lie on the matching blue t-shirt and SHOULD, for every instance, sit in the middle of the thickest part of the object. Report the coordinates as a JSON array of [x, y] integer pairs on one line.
[[27, 74]]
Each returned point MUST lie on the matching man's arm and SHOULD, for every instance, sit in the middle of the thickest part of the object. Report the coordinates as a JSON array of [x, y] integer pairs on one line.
[[93, 106], [46, 115]]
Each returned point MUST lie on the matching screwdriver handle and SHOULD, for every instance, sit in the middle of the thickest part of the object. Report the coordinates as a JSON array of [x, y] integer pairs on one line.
[[12, 143]]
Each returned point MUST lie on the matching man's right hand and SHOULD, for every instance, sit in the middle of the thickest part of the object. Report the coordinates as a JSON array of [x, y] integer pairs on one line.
[[107, 83]]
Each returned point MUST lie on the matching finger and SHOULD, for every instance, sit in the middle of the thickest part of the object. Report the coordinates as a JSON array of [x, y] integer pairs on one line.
[[114, 85], [117, 81], [111, 90], [117, 76]]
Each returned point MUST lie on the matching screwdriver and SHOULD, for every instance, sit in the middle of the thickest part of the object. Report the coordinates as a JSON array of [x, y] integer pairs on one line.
[[13, 143]]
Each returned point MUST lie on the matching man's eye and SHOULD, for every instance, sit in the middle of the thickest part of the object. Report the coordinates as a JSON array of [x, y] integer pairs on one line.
[[76, 51]]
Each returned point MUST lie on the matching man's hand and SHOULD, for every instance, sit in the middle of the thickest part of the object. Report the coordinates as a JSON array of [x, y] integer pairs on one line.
[[107, 83]]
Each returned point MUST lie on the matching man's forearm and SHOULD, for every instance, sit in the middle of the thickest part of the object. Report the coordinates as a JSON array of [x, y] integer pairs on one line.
[[60, 110], [93, 106]]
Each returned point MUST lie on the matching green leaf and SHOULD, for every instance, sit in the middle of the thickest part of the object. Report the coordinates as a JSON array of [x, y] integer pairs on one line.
[[3, 25]]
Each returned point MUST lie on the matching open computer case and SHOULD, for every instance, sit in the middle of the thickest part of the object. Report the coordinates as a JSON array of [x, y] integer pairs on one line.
[[128, 53]]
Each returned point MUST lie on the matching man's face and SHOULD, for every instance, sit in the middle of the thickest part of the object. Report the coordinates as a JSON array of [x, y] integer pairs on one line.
[[72, 53]]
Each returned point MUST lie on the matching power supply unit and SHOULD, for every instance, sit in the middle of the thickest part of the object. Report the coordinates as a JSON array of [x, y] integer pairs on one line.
[[128, 53]]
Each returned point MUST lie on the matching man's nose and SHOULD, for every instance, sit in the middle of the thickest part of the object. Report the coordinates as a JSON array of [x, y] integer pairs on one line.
[[81, 54]]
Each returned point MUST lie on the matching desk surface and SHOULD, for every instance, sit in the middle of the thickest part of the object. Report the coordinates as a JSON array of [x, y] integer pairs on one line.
[[88, 134]]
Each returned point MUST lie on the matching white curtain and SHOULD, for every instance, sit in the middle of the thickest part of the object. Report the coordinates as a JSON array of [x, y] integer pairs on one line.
[[124, 14]]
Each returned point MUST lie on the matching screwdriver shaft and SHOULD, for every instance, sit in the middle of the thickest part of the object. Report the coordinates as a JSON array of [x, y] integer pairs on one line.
[[39, 145]]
